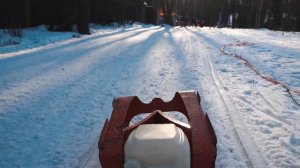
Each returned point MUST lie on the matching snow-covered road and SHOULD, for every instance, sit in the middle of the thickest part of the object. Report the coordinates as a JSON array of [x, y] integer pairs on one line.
[[54, 99]]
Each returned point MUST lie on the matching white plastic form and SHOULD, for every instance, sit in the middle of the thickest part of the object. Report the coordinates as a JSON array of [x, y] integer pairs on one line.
[[157, 146]]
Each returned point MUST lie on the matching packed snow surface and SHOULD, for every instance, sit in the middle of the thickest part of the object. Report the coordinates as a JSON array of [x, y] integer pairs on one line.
[[56, 90]]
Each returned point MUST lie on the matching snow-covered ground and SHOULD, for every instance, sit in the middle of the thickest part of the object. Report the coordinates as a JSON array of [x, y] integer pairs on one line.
[[56, 90]]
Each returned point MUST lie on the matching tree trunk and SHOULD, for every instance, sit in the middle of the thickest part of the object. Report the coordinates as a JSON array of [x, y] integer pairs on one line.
[[83, 17], [27, 13], [164, 11], [258, 14]]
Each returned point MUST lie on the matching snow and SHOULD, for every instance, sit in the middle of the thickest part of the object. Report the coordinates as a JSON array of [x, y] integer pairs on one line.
[[56, 90]]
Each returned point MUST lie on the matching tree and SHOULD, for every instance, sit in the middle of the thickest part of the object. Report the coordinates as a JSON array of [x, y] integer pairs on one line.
[[27, 13], [11, 17], [83, 17], [258, 14], [167, 9]]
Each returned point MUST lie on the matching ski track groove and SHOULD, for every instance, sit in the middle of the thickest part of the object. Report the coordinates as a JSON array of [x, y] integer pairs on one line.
[[218, 84], [266, 110], [249, 148]]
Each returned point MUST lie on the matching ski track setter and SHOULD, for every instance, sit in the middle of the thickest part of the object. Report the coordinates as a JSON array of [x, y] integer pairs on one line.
[[155, 135]]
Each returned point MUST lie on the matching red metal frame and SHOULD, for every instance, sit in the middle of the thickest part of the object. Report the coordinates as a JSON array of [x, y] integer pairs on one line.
[[115, 131]]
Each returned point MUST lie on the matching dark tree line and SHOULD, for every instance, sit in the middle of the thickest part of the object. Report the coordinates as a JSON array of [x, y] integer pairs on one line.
[[273, 14], [60, 15]]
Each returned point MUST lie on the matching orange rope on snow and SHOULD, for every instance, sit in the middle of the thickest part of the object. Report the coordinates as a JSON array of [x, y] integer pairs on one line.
[[252, 67]]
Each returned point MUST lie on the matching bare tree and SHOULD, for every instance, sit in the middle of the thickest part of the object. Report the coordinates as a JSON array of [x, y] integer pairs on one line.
[[83, 17], [27, 13], [258, 14]]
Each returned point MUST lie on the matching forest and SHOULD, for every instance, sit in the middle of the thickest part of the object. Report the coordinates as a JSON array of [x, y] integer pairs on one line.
[[61, 15]]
